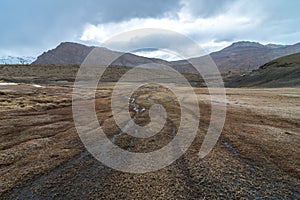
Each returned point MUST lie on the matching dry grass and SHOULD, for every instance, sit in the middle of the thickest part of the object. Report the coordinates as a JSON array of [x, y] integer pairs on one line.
[[41, 155]]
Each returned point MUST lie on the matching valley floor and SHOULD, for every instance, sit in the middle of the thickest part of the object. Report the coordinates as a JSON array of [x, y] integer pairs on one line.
[[42, 157]]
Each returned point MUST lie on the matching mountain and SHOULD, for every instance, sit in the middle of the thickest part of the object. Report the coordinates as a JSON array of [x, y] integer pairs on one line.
[[275, 46], [73, 53], [243, 55], [240, 55], [282, 72], [65, 53], [16, 60]]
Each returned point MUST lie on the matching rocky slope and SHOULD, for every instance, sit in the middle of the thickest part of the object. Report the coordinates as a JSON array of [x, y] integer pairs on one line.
[[72, 53], [282, 72], [65, 53], [240, 55], [244, 55]]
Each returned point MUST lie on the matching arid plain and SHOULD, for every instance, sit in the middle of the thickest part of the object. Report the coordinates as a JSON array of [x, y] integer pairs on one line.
[[42, 156]]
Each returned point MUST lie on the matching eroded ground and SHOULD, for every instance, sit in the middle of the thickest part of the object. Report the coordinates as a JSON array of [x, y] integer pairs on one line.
[[42, 157]]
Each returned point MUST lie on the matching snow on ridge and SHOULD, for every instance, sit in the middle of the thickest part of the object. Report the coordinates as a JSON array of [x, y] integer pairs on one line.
[[16, 60]]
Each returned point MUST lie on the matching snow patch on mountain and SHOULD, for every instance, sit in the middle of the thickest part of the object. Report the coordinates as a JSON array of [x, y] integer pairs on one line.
[[16, 60]]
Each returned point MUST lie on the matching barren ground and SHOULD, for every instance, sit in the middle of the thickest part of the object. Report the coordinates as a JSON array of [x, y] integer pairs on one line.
[[42, 157]]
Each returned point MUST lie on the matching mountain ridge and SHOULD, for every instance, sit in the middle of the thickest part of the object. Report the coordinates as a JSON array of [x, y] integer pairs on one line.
[[73, 53], [242, 55], [9, 60]]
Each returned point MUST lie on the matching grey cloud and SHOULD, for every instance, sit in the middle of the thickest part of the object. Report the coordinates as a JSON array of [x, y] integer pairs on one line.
[[115, 10], [172, 41], [207, 8], [32, 26], [39, 24]]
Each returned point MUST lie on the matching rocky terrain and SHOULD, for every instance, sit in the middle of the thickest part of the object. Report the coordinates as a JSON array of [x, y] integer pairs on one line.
[[64, 54], [68, 53], [240, 56], [281, 72]]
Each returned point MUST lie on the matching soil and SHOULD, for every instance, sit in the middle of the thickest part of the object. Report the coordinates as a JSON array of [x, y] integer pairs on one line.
[[42, 156]]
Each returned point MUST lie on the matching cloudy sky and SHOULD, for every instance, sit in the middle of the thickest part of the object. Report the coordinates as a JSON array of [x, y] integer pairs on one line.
[[31, 27]]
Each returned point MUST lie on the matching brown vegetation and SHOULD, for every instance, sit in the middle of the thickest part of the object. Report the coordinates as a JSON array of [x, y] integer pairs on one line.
[[257, 155]]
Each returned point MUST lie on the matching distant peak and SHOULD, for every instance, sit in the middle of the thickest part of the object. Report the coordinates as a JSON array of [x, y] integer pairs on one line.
[[78, 45], [275, 46], [246, 44], [71, 44], [16, 59]]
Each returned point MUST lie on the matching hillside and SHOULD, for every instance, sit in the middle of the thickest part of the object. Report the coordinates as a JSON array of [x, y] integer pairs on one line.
[[239, 55], [282, 72], [73, 53], [244, 55], [64, 53]]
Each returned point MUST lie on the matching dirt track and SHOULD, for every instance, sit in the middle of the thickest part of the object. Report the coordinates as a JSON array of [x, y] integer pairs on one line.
[[42, 157]]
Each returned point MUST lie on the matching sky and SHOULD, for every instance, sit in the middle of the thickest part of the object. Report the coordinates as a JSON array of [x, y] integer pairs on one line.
[[28, 28]]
